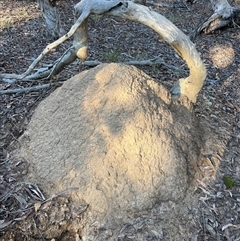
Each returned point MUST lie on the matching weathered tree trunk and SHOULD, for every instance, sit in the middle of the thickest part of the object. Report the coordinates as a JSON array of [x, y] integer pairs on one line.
[[224, 15], [52, 18]]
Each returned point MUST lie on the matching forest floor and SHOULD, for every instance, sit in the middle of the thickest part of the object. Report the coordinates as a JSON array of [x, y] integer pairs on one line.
[[212, 209]]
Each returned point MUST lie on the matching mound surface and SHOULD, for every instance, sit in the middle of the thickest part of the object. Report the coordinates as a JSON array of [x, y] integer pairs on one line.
[[113, 133]]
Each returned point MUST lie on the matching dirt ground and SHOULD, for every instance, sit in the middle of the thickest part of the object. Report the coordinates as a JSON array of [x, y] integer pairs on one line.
[[212, 209]]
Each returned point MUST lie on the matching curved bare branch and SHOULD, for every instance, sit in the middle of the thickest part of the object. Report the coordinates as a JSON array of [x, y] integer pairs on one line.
[[189, 86]]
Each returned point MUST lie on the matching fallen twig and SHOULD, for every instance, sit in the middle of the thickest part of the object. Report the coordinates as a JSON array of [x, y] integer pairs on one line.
[[153, 61], [27, 89], [46, 72]]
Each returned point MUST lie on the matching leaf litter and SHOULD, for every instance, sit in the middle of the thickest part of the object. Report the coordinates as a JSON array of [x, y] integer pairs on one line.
[[25, 213]]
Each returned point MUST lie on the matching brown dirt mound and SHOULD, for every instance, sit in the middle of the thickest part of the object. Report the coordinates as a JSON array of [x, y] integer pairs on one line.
[[113, 133]]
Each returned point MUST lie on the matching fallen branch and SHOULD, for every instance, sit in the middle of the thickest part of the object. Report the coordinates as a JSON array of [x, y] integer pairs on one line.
[[45, 51], [91, 7], [154, 61], [45, 73], [224, 15], [189, 86], [28, 89]]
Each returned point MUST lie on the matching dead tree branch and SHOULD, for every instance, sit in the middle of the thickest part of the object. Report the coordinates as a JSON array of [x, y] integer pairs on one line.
[[223, 15], [189, 86], [28, 89], [48, 71], [154, 61]]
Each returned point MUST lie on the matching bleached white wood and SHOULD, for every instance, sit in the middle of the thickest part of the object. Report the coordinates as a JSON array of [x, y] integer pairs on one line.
[[223, 15], [189, 86]]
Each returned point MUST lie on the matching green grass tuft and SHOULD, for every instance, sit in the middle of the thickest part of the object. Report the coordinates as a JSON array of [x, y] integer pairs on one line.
[[229, 182]]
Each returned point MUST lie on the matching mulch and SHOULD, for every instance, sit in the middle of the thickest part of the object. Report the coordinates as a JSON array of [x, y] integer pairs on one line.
[[217, 213]]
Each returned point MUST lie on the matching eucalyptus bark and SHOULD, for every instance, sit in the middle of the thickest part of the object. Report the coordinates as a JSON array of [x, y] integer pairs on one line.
[[52, 18]]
